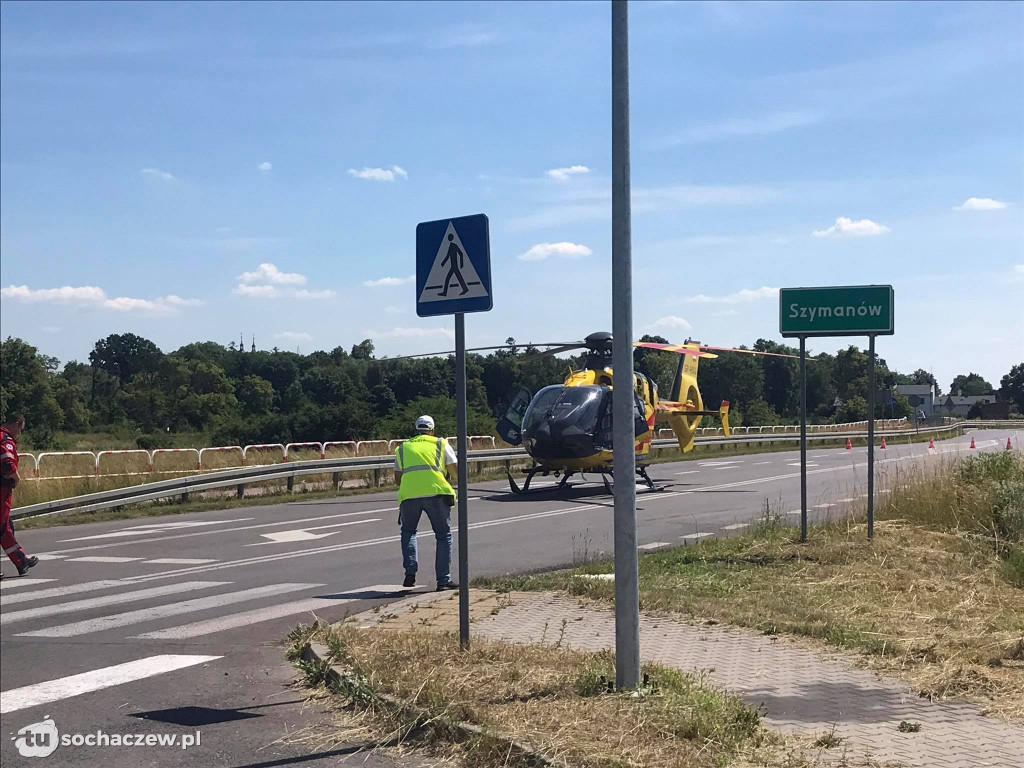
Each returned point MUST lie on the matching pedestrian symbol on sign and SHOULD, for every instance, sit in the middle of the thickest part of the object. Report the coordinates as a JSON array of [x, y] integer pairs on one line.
[[452, 269]]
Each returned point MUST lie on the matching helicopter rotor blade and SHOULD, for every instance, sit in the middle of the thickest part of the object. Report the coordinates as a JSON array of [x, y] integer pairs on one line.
[[473, 349], [552, 352], [750, 352]]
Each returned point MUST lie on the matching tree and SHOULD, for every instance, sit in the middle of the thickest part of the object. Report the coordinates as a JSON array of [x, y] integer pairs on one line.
[[1012, 386], [854, 409], [26, 387], [758, 413], [198, 393], [363, 350], [123, 355], [255, 395], [970, 385], [781, 377], [921, 376], [144, 400], [659, 366], [737, 378]]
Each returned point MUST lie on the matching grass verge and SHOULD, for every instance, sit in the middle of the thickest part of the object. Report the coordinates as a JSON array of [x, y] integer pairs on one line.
[[555, 702], [935, 599]]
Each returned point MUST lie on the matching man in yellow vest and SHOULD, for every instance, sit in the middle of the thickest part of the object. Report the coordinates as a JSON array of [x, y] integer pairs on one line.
[[420, 464]]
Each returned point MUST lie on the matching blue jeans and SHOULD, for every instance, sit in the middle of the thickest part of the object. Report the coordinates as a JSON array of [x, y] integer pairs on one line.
[[439, 514]]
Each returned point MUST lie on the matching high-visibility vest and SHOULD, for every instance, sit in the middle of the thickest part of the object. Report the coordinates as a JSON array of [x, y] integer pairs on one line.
[[421, 462]]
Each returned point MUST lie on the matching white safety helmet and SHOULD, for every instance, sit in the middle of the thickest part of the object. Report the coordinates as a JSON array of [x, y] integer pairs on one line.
[[424, 424]]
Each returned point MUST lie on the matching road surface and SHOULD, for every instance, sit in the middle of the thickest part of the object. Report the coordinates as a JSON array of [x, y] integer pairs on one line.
[[173, 626]]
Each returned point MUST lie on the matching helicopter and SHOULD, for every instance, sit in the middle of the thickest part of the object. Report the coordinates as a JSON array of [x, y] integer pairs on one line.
[[567, 428]]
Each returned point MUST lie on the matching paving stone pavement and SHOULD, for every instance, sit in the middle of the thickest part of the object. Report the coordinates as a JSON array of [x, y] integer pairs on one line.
[[800, 692]]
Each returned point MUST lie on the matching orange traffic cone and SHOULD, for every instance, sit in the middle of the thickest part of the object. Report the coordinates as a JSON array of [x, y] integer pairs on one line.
[[931, 444], [1009, 445], [849, 445], [972, 443], [883, 444]]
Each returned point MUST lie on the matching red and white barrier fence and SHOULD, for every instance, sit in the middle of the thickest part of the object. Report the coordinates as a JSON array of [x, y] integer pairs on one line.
[[263, 447], [318, 446]]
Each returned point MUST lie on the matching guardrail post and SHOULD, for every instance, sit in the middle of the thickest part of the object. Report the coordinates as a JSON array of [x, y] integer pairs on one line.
[[240, 490], [291, 483], [184, 497], [336, 479]]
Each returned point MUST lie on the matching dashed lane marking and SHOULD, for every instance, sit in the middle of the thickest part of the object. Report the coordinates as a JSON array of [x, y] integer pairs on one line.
[[735, 527], [654, 545], [103, 559], [695, 536]]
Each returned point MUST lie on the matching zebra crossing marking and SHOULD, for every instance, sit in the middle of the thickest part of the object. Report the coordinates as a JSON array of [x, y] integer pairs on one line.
[[103, 559], [9, 584], [71, 589], [180, 561], [56, 609], [95, 680], [163, 611]]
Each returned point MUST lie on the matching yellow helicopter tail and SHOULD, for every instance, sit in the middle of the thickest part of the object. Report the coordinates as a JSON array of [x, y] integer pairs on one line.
[[684, 419]]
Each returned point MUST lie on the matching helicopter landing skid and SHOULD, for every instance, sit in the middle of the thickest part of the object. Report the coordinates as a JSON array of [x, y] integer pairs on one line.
[[641, 470], [562, 484]]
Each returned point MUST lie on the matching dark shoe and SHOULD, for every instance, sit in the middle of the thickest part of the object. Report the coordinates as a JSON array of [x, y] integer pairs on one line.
[[29, 562], [410, 580], [447, 587]]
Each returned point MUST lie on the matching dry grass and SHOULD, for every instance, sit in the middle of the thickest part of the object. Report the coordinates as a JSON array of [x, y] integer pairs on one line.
[[934, 600], [554, 701]]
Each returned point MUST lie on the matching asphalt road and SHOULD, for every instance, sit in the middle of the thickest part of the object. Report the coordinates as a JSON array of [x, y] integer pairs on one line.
[[174, 625]]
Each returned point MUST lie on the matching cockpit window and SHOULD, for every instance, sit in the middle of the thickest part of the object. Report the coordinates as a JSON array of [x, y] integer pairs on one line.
[[578, 406]]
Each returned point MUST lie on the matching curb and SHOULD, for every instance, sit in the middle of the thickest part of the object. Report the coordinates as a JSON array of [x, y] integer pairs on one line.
[[338, 677]]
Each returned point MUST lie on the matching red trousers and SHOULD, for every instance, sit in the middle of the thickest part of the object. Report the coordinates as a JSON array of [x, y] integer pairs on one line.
[[7, 540]]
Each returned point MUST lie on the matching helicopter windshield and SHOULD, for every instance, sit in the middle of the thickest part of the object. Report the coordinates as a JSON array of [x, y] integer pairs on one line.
[[576, 407]]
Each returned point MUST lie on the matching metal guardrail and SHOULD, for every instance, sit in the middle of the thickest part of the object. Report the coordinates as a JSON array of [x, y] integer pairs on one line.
[[241, 476]]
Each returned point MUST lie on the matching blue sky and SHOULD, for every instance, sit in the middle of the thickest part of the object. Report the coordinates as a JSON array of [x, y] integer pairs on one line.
[[154, 156]]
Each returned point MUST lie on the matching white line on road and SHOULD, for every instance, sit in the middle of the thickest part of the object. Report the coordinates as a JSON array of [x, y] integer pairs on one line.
[[72, 589], [244, 619], [759, 463], [826, 505], [100, 602], [654, 545], [96, 680], [156, 528], [7, 584], [735, 526], [303, 534], [180, 561], [101, 559], [163, 611], [797, 464], [688, 472], [694, 536], [845, 501]]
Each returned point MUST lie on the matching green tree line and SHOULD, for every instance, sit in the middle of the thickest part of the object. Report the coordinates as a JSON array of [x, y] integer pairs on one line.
[[238, 397]]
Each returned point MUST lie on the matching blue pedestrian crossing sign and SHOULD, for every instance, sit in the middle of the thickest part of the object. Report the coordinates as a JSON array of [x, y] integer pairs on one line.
[[453, 266]]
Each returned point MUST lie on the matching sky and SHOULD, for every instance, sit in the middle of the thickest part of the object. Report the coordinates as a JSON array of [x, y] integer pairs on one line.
[[193, 172]]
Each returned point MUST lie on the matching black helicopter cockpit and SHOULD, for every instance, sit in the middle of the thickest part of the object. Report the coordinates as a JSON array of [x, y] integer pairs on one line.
[[568, 422]]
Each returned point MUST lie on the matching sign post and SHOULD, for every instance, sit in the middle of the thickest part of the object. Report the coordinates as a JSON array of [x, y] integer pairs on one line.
[[453, 276], [627, 593], [837, 311]]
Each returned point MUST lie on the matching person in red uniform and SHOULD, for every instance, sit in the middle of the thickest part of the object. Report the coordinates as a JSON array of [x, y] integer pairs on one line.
[[13, 426]]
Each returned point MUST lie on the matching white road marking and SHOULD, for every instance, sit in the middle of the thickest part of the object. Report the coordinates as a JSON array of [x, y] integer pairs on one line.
[[163, 611], [694, 536], [244, 619], [96, 680], [826, 505], [797, 464], [7, 584], [101, 559], [688, 472], [735, 526], [175, 536], [654, 545], [100, 602], [46, 556], [303, 534], [71, 589], [845, 501], [180, 561], [156, 528], [759, 463], [718, 463]]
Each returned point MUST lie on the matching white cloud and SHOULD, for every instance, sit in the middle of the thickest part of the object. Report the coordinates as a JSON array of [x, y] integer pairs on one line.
[[849, 227], [541, 251], [393, 310], [256, 291], [980, 204], [265, 166], [1019, 269], [93, 296], [413, 333], [293, 336], [379, 174], [563, 174], [270, 274], [158, 173], [389, 281], [304, 293], [740, 297], [670, 321]]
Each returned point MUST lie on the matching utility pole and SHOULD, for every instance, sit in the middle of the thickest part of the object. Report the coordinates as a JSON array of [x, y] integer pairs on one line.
[[627, 597]]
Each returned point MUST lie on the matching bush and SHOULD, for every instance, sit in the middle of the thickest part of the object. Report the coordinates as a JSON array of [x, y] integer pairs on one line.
[[1008, 510]]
